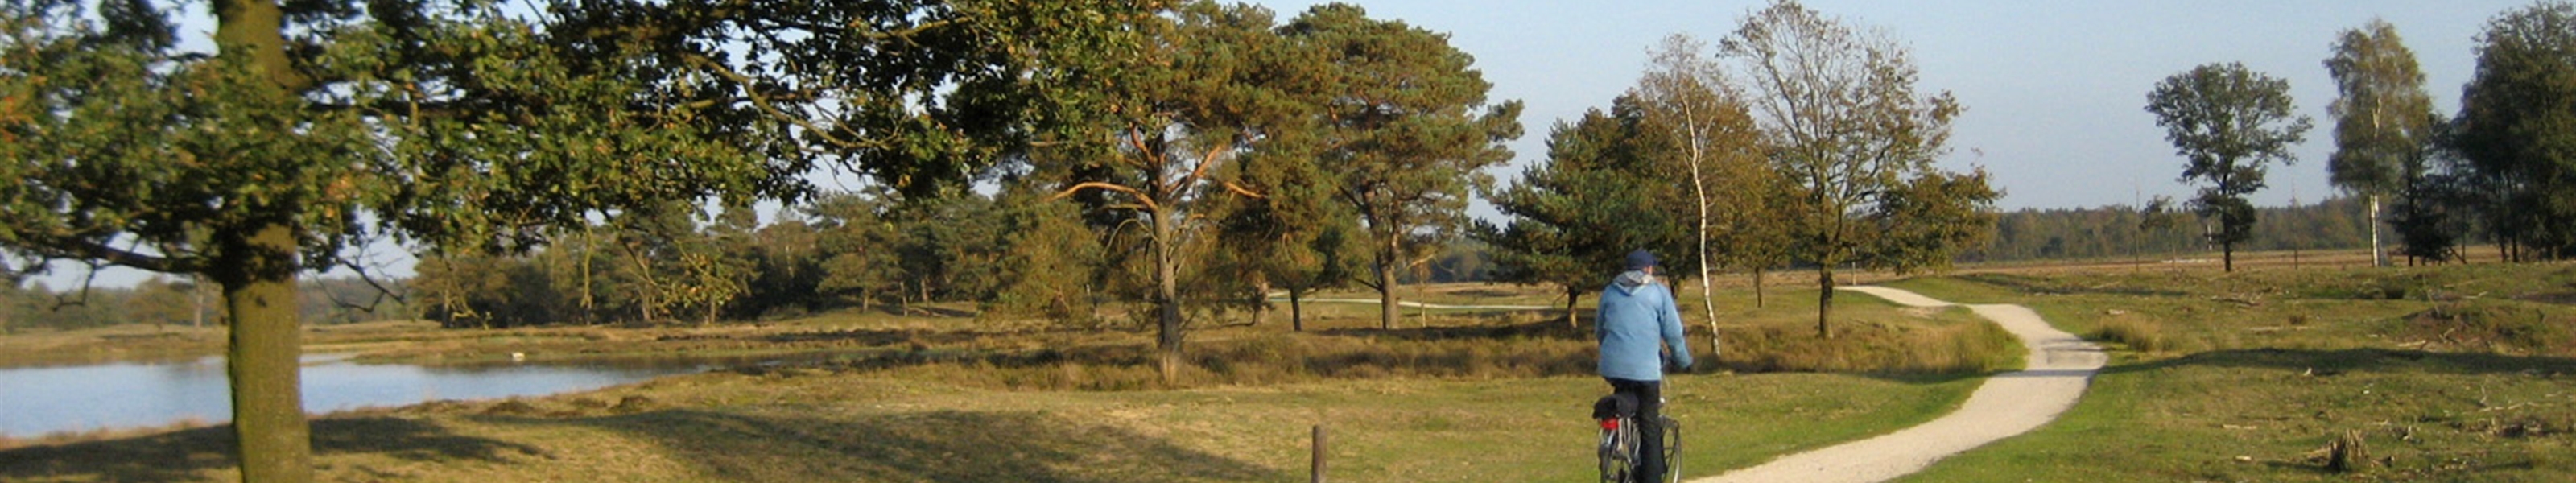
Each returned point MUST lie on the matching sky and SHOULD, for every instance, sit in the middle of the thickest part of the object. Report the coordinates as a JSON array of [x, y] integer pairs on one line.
[[2055, 90]]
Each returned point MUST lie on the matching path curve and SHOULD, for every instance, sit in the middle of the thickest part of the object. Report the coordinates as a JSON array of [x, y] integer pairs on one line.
[[2059, 367]]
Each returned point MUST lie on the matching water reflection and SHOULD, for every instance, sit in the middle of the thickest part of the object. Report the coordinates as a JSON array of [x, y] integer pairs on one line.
[[41, 400]]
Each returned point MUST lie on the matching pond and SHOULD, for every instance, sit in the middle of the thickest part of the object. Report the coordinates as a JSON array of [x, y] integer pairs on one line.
[[40, 400]]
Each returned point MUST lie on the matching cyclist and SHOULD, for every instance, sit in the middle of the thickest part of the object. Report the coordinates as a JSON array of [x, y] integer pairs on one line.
[[1638, 320]]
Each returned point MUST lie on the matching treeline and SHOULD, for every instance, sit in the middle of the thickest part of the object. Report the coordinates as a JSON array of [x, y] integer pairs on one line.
[[1800, 140], [1006, 255], [164, 301], [2499, 170], [2124, 231], [1233, 157]]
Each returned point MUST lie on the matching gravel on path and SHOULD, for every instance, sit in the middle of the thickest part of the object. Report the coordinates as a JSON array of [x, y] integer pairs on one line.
[[2058, 369]]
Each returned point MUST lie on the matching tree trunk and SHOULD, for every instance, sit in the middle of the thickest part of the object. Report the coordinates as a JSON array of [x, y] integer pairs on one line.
[[197, 302], [1386, 265], [1297, 309], [1757, 287], [2378, 256], [1167, 307], [257, 272], [1261, 303], [1824, 300], [1573, 319], [2227, 252], [1699, 194]]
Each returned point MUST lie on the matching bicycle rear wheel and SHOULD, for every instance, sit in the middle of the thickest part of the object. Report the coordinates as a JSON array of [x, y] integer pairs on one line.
[[1672, 449], [1618, 452]]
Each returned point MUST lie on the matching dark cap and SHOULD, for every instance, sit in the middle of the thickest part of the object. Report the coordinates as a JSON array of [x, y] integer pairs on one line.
[[1640, 259]]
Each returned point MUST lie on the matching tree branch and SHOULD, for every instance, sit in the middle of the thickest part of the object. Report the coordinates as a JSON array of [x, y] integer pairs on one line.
[[1148, 201], [751, 89], [50, 245]]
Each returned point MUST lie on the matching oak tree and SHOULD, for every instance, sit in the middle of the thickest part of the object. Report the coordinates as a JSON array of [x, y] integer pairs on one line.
[[318, 125], [2228, 123]]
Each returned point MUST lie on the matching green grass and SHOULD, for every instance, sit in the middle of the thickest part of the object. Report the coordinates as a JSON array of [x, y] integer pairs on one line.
[[818, 425], [1446, 395], [2463, 375]]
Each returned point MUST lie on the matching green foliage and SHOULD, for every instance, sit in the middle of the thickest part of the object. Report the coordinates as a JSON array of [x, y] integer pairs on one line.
[[1409, 132], [857, 247], [1855, 143], [2383, 118], [1157, 145], [2228, 123], [467, 126], [1929, 218], [2518, 128], [2384, 121], [1601, 194], [1735, 195], [1050, 261]]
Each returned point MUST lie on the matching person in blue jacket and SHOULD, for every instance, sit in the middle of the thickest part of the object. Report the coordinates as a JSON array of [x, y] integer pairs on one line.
[[1637, 322]]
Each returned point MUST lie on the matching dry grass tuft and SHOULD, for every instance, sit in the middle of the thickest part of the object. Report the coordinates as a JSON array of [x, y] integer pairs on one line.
[[1956, 348], [2139, 335]]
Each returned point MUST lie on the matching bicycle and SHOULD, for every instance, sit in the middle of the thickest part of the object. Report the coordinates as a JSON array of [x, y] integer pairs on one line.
[[1620, 442]]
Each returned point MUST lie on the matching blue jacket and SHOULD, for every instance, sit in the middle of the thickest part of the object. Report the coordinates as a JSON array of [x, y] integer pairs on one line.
[[1637, 319]]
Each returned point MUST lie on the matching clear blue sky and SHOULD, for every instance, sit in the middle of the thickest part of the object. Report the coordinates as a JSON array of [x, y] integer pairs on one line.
[[2055, 89]]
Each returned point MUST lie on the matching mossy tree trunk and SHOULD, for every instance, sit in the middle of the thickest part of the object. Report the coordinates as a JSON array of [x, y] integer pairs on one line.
[[257, 272]]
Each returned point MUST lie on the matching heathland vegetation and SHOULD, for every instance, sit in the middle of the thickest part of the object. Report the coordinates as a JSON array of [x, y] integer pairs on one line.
[[1055, 197]]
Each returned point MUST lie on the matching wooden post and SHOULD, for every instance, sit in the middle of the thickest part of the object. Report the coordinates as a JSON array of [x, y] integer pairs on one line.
[[1317, 470]]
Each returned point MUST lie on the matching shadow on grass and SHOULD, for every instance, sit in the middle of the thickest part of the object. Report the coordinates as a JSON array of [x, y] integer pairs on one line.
[[927, 446], [1550, 328], [182, 454], [2350, 360], [901, 337]]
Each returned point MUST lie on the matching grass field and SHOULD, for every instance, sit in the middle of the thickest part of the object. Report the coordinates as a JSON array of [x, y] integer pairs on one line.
[[2449, 373], [824, 426], [2452, 373], [1448, 395]]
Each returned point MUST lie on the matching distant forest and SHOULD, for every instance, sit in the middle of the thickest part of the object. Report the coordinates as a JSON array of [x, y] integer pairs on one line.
[[526, 286], [163, 301], [2125, 231]]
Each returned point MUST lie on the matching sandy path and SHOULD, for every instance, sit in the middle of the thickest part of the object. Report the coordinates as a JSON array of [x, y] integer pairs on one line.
[[2059, 367]]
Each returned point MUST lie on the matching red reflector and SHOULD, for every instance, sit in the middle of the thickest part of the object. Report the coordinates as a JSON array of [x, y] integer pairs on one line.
[[1610, 424]]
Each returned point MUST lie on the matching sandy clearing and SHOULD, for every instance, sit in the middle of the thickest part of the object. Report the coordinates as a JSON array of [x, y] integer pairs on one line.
[[2058, 369]]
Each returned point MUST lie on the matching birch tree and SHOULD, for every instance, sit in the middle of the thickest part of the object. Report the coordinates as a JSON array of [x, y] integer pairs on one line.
[[2383, 118]]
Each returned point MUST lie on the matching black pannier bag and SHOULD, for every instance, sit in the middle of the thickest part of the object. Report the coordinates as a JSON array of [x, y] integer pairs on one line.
[[1616, 405]]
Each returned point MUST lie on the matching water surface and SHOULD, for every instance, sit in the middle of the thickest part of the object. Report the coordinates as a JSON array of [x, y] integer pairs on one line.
[[39, 400]]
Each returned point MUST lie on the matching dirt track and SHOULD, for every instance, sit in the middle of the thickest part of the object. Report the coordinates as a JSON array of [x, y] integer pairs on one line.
[[2059, 368]]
